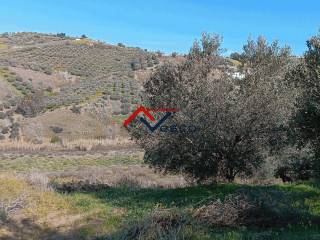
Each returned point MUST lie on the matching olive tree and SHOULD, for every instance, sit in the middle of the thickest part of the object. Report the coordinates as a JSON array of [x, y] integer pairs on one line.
[[306, 122], [236, 118]]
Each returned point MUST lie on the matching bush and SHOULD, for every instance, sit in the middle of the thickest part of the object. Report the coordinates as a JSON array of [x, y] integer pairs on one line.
[[15, 134], [55, 139], [6, 105], [2, 115], [174, 54], [10, 206], [163, 224], [31, 105], [136, 65], [13, 102], [115, 97], [248, 207], [61, 35], [56, 129], [298, 169], [79, 186], [19, 79], [5, 130], [39, 180], [76, 109], [236, 56], [47, 70]]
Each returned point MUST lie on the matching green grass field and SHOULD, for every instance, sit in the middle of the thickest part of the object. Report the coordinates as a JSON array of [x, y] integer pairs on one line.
[[117, 211]]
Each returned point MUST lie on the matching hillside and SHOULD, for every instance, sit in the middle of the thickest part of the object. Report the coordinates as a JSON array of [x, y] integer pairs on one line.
[[76, 76]]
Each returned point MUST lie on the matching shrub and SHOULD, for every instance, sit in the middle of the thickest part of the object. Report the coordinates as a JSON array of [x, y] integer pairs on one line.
[[47, 70], [159, 53], [15, 134], [31, 105], [61, 35], [19, 79], [115, 97], [105, 97], [296, 167], [6, 105], [2, 115], [136, 65], [251, 207], [174, 54], [76, 109], [49, 89], [79, 186], [13, 102], [2, 137], [10, 206], [56, 129], [165, 224], [55, 139], [236, 56], [5, 130]]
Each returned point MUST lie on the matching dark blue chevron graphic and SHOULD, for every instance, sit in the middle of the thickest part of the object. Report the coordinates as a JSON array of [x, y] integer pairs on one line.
[[152, 129]]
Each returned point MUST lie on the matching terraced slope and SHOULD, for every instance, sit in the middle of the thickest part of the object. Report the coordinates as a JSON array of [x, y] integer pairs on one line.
[[79, 75], [96, 68]]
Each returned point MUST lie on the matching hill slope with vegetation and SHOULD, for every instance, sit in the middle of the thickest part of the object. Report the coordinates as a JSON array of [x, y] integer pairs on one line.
[[54, 72]]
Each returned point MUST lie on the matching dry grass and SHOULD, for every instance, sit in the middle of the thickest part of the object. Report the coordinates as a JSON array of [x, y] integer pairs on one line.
[[37, 179], [133, 177], [29, 213], [259, 208], [80, 145]]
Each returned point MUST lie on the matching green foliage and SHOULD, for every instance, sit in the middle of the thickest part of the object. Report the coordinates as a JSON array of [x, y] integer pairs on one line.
[[225, 146], [55, 139], [31, 105], [76, 109], [56, 129], [136, 65], [306, 122], [61, 35]]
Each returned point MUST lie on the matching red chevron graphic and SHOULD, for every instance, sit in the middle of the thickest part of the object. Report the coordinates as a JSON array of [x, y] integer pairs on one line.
[[135, 114], [147, 111]]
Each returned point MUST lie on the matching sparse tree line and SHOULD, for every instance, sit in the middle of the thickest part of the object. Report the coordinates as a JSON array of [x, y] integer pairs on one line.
[[273, 112]]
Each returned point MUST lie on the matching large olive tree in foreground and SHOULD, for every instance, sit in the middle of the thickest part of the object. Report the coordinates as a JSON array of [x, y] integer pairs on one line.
[[236, 117]]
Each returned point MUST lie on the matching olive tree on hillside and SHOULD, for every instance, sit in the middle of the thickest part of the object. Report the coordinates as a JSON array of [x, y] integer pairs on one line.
[[31, 105], [236, 117]]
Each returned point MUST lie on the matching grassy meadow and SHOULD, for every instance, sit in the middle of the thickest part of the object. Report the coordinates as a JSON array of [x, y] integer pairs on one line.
[[117, 197]]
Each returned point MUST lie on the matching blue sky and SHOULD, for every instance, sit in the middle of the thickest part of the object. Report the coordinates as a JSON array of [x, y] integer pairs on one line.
[[167, 25]]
